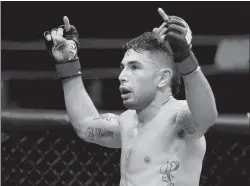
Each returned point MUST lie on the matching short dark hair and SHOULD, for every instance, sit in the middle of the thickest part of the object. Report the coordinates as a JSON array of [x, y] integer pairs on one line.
[[149, 42]]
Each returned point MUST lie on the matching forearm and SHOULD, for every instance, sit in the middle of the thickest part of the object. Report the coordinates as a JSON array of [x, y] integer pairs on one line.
[[78, 103], [63, 44], [200, 98]]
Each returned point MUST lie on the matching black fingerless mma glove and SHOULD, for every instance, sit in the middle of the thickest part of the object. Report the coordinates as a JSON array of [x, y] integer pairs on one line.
[[179, 37], [70, 67]]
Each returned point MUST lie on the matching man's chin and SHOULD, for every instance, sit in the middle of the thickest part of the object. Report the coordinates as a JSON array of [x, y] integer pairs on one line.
[[129, 104]]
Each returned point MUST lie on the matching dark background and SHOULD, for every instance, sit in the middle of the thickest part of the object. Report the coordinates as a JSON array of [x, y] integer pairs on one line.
[[26, 21]]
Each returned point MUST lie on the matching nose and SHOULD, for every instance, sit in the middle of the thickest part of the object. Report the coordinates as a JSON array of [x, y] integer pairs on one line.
[[122, 77]]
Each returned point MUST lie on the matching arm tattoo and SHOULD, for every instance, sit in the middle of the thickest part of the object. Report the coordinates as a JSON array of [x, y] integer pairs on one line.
[[167, 169], [107, 117], [92, 133]]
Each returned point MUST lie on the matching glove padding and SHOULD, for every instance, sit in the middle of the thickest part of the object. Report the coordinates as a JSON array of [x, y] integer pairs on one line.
[[67, 64], [179, 37], [71, 35]]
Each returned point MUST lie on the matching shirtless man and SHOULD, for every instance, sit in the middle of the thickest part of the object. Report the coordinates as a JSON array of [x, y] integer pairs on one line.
[[162, 139]]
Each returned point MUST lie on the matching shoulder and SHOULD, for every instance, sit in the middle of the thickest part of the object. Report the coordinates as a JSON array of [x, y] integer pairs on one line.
[[176, 105], [187, 124], [182, 105], [126, 113], [126, 116], [182, 110], [177, 108]]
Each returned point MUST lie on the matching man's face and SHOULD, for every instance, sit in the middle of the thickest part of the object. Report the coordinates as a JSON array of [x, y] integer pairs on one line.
[[138, 79]]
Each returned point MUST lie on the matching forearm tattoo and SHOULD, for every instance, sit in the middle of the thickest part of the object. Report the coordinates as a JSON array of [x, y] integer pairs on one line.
[[167, 170], [96, 133], [107, 117]]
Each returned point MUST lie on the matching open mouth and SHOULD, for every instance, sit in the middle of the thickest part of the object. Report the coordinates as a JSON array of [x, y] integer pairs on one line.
[[124, 91]]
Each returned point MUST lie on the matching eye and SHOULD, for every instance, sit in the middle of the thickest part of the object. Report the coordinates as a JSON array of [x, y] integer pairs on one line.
[[134, 67]]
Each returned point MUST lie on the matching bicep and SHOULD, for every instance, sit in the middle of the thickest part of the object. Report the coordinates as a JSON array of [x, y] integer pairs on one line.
[[103, 130]]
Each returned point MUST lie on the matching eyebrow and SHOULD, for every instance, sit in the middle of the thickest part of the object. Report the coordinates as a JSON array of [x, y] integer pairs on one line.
[[131, 62]]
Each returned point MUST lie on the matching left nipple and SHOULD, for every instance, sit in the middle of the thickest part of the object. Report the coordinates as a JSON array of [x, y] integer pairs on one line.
[[147, 159]]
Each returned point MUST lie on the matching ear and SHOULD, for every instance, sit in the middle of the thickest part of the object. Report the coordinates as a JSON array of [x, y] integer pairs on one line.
[[165, 77]]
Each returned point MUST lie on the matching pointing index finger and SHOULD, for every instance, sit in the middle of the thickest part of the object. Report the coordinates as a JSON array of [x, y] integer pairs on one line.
[[163, 14], [66, 23]]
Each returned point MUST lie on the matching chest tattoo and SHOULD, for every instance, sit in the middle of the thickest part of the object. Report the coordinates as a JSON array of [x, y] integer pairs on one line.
[[167, 169]]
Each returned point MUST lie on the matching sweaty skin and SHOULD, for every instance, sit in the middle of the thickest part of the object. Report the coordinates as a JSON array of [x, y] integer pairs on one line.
[[158, 154]]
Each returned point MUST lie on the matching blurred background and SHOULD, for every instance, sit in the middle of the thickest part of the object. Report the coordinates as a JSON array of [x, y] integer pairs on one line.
[[221, 44]]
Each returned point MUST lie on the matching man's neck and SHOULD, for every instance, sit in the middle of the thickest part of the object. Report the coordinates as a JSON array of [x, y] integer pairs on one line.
[[146, 114]]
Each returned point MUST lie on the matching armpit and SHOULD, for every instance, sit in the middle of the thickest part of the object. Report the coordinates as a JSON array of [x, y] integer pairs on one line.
[[186, 122]]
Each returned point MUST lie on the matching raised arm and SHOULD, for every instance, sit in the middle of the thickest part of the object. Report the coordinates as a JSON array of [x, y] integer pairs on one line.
[[201, 103], [63, 44], [101, 129], [200, 112]]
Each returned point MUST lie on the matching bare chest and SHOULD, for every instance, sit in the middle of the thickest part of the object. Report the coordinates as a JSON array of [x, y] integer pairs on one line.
[[148, 146]]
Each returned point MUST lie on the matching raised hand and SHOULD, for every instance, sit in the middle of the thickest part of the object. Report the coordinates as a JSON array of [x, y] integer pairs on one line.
[[177, 32], [62, 42]]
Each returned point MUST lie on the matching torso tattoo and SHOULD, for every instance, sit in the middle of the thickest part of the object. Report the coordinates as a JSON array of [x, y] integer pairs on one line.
[[167, 170], [160, 151]]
